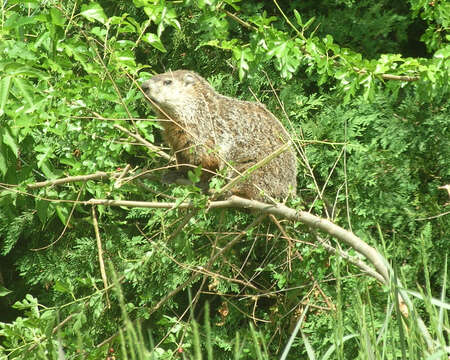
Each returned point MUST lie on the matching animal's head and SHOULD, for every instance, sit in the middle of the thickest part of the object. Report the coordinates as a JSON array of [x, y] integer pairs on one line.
[[173, 91]]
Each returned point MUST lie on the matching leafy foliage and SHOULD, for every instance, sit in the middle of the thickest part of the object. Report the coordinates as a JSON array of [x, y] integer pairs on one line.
[[368, 111]]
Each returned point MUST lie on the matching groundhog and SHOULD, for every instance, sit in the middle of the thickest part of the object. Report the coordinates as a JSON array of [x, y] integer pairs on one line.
[[223, 134]]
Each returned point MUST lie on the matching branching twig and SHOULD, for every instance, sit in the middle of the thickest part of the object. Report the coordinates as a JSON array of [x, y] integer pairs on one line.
[[65, 226], [69, 179], [351, 259], [125, 171], [283, 211], [194, 276], [144, 142]]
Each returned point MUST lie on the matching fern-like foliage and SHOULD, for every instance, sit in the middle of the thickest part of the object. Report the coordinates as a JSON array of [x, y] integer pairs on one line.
[[12, 229]]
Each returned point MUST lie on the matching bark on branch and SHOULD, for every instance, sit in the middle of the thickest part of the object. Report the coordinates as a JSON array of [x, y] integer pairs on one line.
[[315, 222], [144, 142], [69, 179]]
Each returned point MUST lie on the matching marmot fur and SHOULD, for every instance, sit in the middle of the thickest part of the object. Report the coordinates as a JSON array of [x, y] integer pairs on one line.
[[219, 132]]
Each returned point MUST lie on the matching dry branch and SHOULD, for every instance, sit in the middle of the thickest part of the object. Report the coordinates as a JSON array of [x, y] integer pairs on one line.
[[69, 179], [283, 211], [315, 222], [100, 254], [144, 142]]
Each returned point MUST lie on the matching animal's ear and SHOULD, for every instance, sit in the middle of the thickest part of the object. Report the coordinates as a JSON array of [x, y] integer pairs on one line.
[[189, 79]]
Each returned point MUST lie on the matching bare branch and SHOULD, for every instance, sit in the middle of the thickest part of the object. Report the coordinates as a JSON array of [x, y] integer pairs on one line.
[[144, 142], [283, 211], [400, 77], [69, 179], [125, 171], [100, 254], [351, 259]]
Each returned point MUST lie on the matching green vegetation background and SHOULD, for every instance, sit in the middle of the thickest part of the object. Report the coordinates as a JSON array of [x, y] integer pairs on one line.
[[362, 87]]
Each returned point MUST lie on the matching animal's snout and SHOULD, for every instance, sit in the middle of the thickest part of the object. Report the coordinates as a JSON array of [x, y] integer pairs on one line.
[[145, 85]]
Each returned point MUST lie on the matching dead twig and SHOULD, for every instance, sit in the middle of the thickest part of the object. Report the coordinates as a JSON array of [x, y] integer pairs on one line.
[[283, 211], [100, 254], [144, 142], [69, 179]]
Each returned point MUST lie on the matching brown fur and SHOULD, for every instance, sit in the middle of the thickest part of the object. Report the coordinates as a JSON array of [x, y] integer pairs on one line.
[[219, 132]]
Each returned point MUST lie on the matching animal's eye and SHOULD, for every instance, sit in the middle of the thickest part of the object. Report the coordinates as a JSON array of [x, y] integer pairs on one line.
[[167, 82]]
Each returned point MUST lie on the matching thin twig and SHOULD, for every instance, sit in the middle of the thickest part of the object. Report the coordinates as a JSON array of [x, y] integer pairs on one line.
[[351, 259], [144, 142], [65, 226], [311, 220], [69, 179], [240, 21], [118, 182], [193, 277], [290, 246], [100, 255]]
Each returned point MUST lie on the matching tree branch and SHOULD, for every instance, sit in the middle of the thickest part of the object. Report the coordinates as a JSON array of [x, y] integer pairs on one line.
[[144, 142], [69, 179], [400, 77], [97, 175], [315, 222], [283, 211]]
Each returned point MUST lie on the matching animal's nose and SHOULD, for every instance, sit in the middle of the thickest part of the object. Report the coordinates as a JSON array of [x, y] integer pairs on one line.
[[145, 85]]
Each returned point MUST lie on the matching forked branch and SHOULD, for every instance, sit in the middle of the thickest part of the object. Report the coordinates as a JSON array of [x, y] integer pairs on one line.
[[315, 222]]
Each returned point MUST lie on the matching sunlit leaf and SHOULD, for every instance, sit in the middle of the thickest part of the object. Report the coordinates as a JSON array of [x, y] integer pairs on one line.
[[9, 140], [154, 41], [5, 84], [93, 12]]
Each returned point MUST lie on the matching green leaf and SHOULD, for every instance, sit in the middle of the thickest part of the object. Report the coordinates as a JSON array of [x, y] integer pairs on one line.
[[46, 152], [309, 22], [4, 291], [279, 50], [9, 140], [94, 12], [328, 40], [42, 210], [5, 84], [62, 213], [17, 21], [201, 4], [154, 41], [62, 287], [298, 18], [3, 165], [443, 53], [14, 69], [243, 65], [126, 58], [48, 170], [57, 17], [20, 83]]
